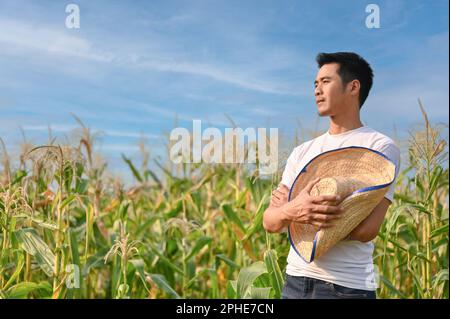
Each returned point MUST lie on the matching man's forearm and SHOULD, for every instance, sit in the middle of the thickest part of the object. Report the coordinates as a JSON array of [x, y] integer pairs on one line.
[[273, 220], [362, 233], [368, 229]]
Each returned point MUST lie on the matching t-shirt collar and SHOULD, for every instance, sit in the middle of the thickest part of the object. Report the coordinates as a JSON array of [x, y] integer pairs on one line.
[[347, 132]]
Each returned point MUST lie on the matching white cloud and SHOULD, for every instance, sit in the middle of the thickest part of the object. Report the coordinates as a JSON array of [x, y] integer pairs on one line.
[[220, 74], [52, 41], [107, 132], [121, 148], [23, 38], [116, 133], [52, 127]]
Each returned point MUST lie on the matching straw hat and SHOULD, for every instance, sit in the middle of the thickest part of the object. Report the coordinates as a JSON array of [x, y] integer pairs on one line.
[[360, 176]]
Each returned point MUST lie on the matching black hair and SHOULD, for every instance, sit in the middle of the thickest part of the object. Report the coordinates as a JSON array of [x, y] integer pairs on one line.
[[351, 67]]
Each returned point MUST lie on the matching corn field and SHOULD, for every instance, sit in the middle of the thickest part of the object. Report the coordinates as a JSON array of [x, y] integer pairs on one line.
[[68, 229]]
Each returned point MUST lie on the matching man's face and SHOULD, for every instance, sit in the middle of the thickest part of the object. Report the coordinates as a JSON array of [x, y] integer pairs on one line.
[[329, 92]]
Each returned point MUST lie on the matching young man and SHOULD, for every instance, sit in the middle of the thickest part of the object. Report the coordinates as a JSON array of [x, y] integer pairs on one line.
[[342, 85]]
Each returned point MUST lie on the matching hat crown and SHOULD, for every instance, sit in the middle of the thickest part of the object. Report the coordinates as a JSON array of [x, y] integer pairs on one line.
[[338, 185]]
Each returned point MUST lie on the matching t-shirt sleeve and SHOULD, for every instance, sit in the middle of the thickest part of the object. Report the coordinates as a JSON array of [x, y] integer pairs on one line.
[[393, 153], [289, 173]]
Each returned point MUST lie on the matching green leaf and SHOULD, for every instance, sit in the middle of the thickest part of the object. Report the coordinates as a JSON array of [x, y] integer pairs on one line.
[[35, 246], [231, 289], [419, 207], [392, 220], [154, 177], [67, 201], [200, 243], [169, 175], [74, 247], [276, 277], [162, 283], [434, 181], [197, 276], [166, 260], [21, 290], [247, 276], [257, 223], [417, 282], [175, 210], [81, 186], [391, 287], [439, 231], [17, 271], [45, 224], [439, 278], [139, 266], [96, 261], [227, 260], [404, 198], [133, 168], [122, 291], [232, 216], [260, 292], [20, 174], [251, 183]]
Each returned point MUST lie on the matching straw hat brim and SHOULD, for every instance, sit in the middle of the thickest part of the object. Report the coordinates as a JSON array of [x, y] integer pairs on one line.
[[361, 176]]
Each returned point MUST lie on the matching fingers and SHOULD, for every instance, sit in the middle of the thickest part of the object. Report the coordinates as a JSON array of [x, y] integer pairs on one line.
[[277, 202], [281, 192], [278, 193], [327, 209], [323, 225], [280, 196], [311, 184], [283, 188], [323, 198], [323, 220]]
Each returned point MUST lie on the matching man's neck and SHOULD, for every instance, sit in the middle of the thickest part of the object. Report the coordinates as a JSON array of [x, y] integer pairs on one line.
[[338, 127]]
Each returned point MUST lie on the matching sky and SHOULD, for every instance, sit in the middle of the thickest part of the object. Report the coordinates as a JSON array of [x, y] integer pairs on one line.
[[138, 68]]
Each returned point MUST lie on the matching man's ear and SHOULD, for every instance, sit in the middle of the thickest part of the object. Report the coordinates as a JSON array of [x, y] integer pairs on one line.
[[354, 87]]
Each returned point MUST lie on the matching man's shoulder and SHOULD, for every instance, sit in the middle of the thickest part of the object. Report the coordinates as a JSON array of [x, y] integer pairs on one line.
[[315, 139], [380, 139], [306, 145], [386, 145], [369, 138]]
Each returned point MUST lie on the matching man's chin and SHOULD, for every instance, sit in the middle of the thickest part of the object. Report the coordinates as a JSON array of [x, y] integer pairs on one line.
[[322, 112]]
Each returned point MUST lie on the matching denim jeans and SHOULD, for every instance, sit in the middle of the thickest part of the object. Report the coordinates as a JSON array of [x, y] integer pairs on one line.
[[297, 287]]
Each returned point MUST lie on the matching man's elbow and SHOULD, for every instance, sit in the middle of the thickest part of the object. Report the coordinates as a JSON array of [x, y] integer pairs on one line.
[[365, 236], [269, 228], [366, 239]]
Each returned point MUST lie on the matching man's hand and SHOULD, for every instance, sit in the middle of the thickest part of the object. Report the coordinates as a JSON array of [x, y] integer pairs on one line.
[[320, 211], [280, 196], [307, 209]]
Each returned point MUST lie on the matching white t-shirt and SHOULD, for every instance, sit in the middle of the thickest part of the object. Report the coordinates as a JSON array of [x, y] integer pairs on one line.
[[349, 263]]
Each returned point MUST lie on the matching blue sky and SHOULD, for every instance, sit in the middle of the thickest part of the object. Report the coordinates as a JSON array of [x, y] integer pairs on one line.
[[134, 66]]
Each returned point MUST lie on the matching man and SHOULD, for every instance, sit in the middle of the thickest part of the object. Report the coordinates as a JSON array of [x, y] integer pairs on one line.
[[342, 85]]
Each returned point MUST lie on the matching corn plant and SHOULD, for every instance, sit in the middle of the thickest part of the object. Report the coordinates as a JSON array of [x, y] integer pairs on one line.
[[70, 229]]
